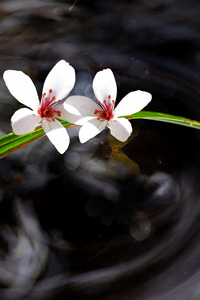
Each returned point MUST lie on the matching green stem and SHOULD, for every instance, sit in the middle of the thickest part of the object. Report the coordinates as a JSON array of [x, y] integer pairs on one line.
[[12, 142], [167, 118]]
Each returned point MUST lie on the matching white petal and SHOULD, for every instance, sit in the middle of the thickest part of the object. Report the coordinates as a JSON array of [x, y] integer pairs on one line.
[[90, 129], [132, 103], [61, 80], [61, 109], [57, 134], [24, 121], [104, 84], [81, 106], [120, 128], [65, 115], [79, 109], [22, 88]]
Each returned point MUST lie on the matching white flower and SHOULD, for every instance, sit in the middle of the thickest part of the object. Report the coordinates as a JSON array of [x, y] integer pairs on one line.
[[57, 86], [96, 116]]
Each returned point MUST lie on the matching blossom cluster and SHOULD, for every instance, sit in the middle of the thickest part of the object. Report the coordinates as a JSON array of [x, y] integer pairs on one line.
[[80, 110]]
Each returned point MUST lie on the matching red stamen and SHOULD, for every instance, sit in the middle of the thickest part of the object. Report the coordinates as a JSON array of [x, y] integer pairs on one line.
[[46, 108], [107, 109]]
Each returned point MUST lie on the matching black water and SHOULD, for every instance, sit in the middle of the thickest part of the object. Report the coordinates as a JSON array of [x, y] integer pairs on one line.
[[106, 220]]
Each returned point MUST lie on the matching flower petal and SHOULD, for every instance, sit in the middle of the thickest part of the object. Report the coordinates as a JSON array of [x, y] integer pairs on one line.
[[57, 134], [22, 88], [61, 80], [90, 129], [121, 128], [132, 103], [65, 115], [79, 109], [24, 121], [81, 106], [104, 84]]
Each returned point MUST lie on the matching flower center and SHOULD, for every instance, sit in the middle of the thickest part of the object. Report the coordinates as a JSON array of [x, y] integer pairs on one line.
[[107, 112], [46, 108]]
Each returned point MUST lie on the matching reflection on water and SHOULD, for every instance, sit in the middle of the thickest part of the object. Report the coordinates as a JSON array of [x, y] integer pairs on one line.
[[106, 220]]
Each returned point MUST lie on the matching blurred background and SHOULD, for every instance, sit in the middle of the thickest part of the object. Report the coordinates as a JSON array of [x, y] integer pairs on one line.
[[106, 220]]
